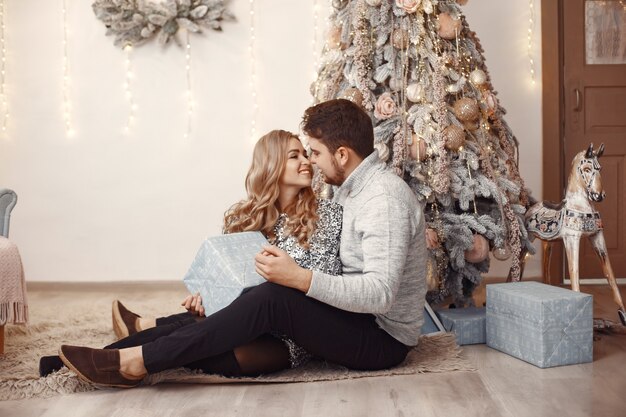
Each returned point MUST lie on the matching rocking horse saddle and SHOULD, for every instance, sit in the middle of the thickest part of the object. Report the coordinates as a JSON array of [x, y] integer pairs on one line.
[[554, 206]]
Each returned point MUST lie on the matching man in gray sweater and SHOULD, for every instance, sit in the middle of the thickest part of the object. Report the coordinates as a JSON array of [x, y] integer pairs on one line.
[[367, 318]]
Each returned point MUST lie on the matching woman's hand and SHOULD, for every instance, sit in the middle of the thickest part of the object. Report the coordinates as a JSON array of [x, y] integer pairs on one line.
[[193, 304], [275, 265]]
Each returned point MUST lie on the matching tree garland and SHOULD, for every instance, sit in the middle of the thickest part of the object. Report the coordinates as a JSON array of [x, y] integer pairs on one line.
[[134, 22]]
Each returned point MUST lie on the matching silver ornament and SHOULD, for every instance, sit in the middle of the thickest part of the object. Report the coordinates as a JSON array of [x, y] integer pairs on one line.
[[478, 77], [502, 254], [415, 92]]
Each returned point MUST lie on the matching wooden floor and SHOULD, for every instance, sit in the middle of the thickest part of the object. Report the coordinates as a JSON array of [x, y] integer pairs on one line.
[[502, 386]]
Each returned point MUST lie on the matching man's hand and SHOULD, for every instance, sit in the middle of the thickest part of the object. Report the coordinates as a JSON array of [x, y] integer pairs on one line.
[[276, 266], [193, 304]]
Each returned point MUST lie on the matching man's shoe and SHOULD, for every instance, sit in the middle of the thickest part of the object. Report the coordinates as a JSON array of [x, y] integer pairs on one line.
[[124, 321], [49, 364], [97, 366]]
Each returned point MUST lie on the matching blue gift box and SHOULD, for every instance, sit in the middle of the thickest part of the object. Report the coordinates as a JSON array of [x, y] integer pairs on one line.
[[540, 324], [468, 324], [223, 268]]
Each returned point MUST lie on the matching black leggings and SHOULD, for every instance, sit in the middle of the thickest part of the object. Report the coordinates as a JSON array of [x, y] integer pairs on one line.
[[350, 339]]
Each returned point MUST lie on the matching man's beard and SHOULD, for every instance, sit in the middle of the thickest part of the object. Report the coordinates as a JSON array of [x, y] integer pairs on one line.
[[340, 174]]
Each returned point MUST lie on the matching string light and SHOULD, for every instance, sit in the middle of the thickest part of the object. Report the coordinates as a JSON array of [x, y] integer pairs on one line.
[[189, 92], [531, 27], [315, 42], [67, 117], [4, 107], [128, 91], [253, 78]]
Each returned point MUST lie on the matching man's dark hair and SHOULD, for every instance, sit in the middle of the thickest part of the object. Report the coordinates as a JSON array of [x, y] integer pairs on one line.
[[338, 123]]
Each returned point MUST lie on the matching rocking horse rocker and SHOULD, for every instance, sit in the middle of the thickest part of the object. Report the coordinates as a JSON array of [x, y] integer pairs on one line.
[[573, 218]]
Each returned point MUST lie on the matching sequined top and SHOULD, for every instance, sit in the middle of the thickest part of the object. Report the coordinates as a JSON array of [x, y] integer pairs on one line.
[[322, 255], [323, 252]]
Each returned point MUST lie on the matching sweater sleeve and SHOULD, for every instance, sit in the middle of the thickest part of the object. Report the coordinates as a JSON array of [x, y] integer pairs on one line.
[[385, 226]]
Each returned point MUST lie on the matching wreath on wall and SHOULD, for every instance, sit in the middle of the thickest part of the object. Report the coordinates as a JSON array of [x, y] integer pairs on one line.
[[134, 22]]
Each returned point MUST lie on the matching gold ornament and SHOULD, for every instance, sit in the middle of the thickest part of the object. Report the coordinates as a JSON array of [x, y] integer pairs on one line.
[[417, 148], [432, 277], [502, 254], [471, 125], [479, 250], [478, 77], [449, 28], [466, 109], [400, 39], [353, 94], [455, 137]]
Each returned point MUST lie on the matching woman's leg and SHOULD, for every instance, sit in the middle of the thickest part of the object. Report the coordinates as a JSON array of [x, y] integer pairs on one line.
[[264, 355]]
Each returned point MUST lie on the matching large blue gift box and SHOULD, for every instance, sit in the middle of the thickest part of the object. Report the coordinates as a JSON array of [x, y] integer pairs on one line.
[[223, 268], [468, 324], [540, 324]]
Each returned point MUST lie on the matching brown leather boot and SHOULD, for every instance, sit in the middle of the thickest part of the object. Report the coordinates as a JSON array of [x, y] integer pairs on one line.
[[125, 322], [97, 366]]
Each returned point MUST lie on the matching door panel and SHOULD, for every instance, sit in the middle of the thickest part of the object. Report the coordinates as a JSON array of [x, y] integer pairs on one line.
[[594, 82]]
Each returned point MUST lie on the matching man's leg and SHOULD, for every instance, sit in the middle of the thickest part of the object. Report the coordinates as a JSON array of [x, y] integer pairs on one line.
[[350, 339]]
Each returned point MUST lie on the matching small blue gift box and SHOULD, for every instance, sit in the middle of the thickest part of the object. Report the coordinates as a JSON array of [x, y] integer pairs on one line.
[[468, 324], [540, 324]]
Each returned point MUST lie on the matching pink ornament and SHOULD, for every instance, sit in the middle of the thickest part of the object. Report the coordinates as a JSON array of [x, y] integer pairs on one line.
[[400, 39], [479, 250], [417, 149], [491, 102], [432, 239], [334, 37], [448, 27], [385, 107], [409, 6]]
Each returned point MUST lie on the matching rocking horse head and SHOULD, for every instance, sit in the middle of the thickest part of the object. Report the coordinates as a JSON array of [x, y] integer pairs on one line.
[[585, 174]]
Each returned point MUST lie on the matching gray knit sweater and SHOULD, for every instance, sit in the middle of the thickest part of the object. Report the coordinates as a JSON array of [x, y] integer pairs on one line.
[[383, 252]]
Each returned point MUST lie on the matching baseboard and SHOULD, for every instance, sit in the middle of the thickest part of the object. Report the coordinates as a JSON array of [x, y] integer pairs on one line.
[[103, 285]]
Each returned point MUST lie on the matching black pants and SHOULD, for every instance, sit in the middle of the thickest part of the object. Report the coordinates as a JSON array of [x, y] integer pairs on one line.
[[350, 339], [224, 364]]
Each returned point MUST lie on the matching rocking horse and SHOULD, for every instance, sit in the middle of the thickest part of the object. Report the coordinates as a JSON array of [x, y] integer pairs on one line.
[[573, 218]]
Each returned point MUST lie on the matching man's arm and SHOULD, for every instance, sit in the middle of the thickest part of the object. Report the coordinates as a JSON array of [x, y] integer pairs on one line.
[[386, 225]]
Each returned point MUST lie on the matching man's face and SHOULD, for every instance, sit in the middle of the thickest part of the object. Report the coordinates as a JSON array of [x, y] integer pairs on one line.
[[328, 164]]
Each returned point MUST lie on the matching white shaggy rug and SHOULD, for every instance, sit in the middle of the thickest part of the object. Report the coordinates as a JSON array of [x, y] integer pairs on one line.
[[84, 318]]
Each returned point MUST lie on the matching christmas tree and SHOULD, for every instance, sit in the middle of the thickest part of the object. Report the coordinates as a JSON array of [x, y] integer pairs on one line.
[[419, 71]]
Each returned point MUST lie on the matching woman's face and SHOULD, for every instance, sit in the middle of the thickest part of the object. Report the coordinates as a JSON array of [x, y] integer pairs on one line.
[[298, 172]]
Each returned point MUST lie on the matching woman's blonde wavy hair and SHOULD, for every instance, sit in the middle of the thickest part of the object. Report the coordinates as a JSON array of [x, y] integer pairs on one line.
[[260, 211]]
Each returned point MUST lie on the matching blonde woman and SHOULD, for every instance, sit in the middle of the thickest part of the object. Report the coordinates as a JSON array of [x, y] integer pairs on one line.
[[281, 204]]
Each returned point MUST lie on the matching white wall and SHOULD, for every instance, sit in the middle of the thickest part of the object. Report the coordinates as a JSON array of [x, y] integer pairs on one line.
[[105, 206]]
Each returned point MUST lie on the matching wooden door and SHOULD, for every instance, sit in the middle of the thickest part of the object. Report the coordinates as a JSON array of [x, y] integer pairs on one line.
[[594, 93]]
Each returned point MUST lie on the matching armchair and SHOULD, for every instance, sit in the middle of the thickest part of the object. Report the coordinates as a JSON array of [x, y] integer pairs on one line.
[[8, 199], [13, 305]]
